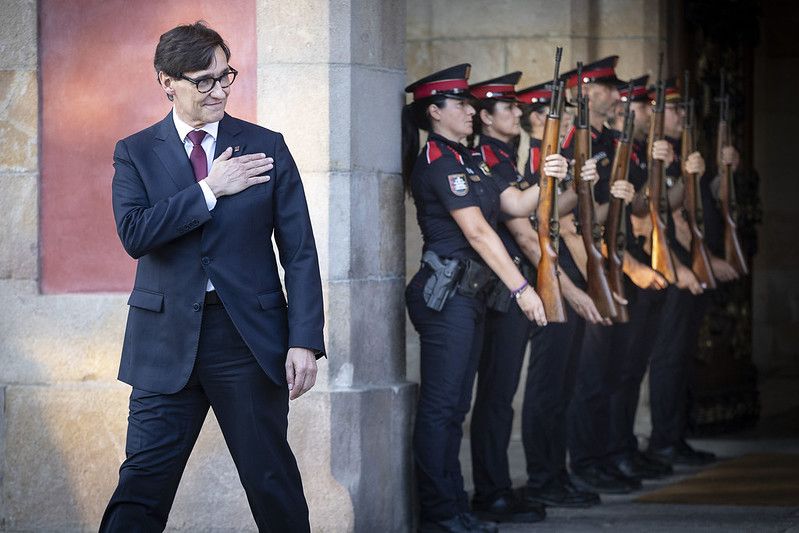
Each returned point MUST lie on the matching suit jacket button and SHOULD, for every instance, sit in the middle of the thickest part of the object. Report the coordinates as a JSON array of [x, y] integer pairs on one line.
[[205, 261], [196, 306]]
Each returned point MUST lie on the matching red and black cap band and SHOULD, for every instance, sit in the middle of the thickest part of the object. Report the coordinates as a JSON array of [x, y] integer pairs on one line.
[[539, 94], [450, 82], [639, 93], [602, 71], [501, 88]]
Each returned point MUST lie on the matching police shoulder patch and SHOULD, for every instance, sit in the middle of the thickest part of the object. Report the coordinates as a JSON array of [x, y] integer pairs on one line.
[[458, 184]]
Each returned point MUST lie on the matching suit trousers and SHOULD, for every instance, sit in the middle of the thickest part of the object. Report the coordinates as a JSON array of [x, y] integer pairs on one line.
[[506, 337], [252, 414], [451, 341], [554, 353], [598, 377]]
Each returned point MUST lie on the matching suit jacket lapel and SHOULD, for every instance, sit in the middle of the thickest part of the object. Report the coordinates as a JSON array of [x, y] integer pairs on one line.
[[226, 137], [169, 149]]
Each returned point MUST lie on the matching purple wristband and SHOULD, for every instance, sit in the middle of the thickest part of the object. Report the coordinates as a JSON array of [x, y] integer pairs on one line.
[[518, 291]]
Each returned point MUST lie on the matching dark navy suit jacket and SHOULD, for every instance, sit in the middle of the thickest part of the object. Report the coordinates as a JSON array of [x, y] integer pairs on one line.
[[163, 221]]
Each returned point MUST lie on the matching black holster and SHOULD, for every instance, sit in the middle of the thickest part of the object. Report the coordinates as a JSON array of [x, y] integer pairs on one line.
[[443, 282]]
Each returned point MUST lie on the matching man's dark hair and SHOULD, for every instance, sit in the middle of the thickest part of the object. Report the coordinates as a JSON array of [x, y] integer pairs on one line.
[[187, 48]]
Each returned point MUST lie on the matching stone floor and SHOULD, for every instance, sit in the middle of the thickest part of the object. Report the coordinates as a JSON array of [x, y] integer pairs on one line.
[[777, 434]]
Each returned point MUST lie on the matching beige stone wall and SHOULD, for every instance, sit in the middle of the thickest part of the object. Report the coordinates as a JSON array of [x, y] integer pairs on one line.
[[510, 35]]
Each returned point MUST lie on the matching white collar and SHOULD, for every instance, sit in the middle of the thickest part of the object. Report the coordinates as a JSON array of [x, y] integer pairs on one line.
[[184, 129]]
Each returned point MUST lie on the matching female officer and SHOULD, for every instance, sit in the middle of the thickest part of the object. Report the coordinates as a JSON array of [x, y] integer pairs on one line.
[[506, 330], [457, 205]]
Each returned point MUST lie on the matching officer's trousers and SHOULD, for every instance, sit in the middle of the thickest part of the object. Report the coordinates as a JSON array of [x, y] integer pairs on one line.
[[646, 311], [699, 305], [602, 353], [451, 341], [658, 326], [554, 353], [668, 370], [506, 337]]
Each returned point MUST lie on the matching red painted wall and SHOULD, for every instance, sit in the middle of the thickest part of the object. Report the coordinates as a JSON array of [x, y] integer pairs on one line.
[[97, 86]]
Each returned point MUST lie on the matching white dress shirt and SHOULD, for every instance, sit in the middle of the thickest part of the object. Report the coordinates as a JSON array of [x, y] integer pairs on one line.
[[209, 146]]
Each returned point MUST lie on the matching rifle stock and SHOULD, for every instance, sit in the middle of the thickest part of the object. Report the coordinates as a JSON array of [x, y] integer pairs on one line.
[[662, 261], [733, 253], [547, 283], [598, 287], [615, 229], [700, 257]]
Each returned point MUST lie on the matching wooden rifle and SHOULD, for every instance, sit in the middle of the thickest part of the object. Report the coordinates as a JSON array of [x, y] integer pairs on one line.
[[700, 257], [662, 261], [615, 228], [733, 253], [587, 226], [548, 284]]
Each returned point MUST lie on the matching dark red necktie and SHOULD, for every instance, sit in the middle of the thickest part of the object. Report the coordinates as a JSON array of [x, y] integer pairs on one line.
[[198, 160]]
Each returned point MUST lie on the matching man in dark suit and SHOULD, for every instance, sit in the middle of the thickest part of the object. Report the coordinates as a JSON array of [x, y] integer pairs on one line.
[[208, 322]]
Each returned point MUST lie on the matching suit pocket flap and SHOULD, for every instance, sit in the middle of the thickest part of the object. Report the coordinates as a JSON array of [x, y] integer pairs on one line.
[[271, 299], [152, 301]]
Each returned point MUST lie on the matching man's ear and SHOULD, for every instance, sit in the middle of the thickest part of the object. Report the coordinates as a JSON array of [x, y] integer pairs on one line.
[[166, 84]]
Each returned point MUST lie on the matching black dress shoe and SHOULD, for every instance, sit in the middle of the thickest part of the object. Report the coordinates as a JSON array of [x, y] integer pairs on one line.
[[462, 523], [479, 525], [594, 479], [509, 508], [635, 469], [556, 494], [663, 469], [687, 449], [634, 482], [586, 495], [681, 455]]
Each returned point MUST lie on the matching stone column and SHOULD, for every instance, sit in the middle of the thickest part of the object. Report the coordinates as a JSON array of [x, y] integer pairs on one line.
[[330, 77]]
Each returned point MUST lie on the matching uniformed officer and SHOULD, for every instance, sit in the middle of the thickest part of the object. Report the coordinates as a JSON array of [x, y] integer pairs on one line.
[[507, 330], [602, 344], [457, 205], [670, 361], [645, 296], [554, 347]]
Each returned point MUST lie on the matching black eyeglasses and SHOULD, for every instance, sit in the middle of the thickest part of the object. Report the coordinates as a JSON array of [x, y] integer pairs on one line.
[[205, 85]]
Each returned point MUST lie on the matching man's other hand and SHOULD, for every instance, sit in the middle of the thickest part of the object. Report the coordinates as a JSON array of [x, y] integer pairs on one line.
[[230, 176], [300, 371]]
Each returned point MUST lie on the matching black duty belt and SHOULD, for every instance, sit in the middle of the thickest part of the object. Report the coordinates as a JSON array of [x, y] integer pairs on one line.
[[466, 276]]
